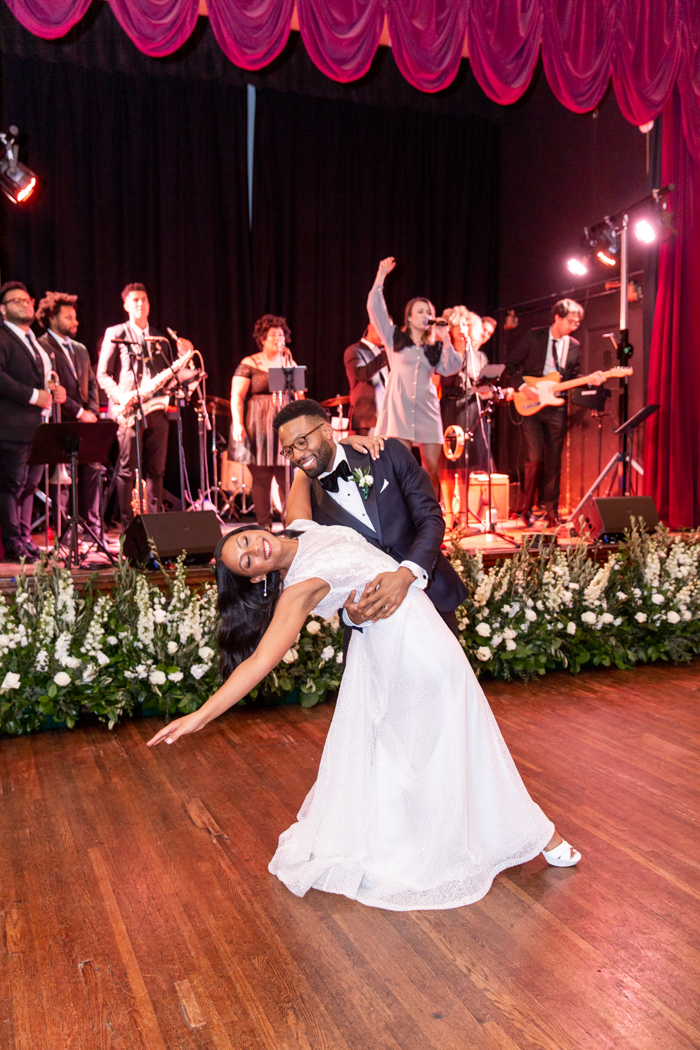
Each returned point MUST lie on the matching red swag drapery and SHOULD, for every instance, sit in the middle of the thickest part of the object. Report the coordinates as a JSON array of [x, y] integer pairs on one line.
[[650, 48]]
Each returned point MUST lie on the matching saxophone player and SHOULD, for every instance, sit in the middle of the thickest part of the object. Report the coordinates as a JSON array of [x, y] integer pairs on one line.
[[115, 376]]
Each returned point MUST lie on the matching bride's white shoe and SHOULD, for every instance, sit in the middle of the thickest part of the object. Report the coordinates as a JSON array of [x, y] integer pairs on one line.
[[562, 856]]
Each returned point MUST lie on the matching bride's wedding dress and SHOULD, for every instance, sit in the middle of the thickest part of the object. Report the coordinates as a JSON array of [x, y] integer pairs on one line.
[[417, 804]]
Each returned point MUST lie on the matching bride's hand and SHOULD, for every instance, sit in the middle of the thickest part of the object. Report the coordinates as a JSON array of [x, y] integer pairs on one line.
[[179, 727], [373, 445], [353, 611]]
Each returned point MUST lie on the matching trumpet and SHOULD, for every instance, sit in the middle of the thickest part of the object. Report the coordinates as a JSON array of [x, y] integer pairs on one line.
[[61, 474]]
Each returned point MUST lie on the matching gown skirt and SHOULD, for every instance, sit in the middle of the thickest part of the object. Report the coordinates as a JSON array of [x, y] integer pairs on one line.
[[418, 803]]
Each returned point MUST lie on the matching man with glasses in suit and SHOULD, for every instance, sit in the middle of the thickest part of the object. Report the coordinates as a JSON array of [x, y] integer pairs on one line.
[[24, 399]]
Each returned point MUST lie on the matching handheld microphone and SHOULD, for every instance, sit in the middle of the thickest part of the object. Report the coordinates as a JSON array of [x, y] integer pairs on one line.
[[439, 322]]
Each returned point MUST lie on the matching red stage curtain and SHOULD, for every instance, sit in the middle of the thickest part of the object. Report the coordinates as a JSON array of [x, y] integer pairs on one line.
[[157, 27], [578, 41], [341, 36], [251, 32], [427, 38], [672, 439], [503, 37], [48, 18]]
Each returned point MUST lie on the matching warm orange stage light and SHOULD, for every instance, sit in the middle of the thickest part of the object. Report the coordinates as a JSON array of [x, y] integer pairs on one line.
[[26, 192]]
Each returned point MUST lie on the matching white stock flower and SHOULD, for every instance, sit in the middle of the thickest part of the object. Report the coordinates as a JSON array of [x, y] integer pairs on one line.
[[483, 629], [483, 653], [172, 648], [571, 627], [101, 658], [61, 678], [640, 617], [157, 677], [530, 615], [313, 627], [588, 617], [111, 640], [205, 653], [176, 676], [289, 657], [673, 616], [159, 615], [11, 681], [658, 599]]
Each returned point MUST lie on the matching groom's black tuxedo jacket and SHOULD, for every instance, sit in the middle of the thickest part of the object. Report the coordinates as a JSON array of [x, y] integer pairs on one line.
[[406, 516]]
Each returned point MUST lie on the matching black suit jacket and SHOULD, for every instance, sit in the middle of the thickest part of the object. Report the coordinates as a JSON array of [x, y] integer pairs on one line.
[[528, 356], [20, 375], [80, 392], [361, 365], [406, 517]]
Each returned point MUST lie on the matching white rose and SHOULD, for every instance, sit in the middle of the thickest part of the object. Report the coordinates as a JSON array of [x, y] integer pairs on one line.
[[176, 676], [687, 615], [156, 677], [530, 615], [658, 599], [172, 648], [484, 630], [313, 627], [62, 678], [509, 633], [571, 627], [539, 605], [496, 640], [607, 618], [205, 653], [160, 615], [640, 617], [483, 653], [368, 480], [673, 616], [588, 617], [289, 657], [11, 680], [510, 644], [112, 640]]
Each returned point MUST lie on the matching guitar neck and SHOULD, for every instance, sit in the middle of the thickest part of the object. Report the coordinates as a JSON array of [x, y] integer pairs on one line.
[[581, 381]]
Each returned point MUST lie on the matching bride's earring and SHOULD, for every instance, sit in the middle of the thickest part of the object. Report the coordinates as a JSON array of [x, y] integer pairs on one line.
[[265, 587]]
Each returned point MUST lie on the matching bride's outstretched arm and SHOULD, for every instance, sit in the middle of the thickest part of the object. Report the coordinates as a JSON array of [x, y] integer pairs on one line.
[[291, 612]]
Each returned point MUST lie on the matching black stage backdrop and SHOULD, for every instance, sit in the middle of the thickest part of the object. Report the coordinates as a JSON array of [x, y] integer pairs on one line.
[[339, 185], [143, 177]]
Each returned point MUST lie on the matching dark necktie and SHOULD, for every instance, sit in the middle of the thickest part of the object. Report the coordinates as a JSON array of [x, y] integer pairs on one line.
[[555, 357], [71, 357], [330, 482]]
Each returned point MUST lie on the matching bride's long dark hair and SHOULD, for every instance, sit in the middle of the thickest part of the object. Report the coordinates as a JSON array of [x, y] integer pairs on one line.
[[244, 607]]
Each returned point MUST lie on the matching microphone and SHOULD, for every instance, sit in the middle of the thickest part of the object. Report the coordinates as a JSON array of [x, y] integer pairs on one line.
[[155, 339], [171, 333], [439, 322], [127, 342]]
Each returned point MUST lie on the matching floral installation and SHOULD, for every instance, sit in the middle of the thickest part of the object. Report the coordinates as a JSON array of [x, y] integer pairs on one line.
[[363, 479], [150, 642]]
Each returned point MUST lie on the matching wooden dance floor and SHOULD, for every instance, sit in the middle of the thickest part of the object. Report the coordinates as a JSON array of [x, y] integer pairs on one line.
[[138, 911]]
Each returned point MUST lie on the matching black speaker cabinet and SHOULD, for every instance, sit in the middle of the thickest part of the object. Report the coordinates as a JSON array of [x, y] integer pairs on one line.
[[607, 517], [194, 532]]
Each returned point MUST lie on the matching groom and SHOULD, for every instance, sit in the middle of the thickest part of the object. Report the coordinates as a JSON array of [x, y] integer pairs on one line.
[[390, 501]]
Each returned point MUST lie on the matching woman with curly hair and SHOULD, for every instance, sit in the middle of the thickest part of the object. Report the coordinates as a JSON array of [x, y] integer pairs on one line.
[[253, 441]]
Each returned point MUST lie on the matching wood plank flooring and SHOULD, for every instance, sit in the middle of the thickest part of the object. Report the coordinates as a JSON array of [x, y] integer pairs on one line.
[[138, 913]]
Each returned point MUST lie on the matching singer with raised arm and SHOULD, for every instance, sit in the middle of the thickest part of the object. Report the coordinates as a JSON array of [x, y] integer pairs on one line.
[[132, 352], [411, 409]]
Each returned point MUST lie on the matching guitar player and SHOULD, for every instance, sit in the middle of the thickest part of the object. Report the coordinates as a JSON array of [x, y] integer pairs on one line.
[[540, 352], [115, 376]]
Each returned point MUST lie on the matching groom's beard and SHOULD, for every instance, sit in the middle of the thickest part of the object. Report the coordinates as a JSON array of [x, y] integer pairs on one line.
[[321, 461]]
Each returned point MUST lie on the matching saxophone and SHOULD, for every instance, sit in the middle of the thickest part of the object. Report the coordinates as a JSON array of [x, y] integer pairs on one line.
[[124, 407]]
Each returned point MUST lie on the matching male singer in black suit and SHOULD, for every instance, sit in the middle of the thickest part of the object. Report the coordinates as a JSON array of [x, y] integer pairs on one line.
[[367, 370], [400, 516], [71, 361], [24, 396], [539, 352], [115, 376]]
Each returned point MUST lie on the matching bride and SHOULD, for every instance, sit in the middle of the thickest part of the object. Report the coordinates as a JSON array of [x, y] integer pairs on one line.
[[418, 804]]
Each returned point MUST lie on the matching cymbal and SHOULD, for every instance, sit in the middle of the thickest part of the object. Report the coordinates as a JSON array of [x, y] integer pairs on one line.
[[339, 399], [218, 406]]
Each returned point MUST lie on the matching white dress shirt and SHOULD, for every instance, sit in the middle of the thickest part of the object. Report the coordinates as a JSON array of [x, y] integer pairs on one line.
[[30, 341]]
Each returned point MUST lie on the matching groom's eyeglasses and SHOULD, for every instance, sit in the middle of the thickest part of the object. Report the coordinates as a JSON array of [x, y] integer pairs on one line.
[[300, 443]]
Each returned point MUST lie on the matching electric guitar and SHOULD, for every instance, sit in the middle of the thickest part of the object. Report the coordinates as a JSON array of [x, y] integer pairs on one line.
[[124, 408], [550, 385]]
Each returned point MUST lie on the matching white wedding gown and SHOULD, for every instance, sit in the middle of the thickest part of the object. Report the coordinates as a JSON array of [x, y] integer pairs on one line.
[[417, 804]]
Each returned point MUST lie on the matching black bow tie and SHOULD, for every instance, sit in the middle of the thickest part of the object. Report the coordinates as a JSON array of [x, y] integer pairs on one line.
[[330, 482]]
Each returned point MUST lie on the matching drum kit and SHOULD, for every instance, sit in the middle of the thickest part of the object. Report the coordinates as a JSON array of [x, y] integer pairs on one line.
[[340, 423]]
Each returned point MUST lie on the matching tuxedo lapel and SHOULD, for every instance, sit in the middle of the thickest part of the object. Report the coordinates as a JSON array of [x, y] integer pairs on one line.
[[37, 366]]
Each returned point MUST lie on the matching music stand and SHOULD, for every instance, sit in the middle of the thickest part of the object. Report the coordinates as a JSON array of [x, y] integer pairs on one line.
[[285, 382], [74, 443]]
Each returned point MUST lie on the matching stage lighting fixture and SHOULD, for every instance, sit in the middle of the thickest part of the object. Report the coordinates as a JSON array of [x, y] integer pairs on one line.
[[17, 182], [577, 265], [606, 257], [645, 232]]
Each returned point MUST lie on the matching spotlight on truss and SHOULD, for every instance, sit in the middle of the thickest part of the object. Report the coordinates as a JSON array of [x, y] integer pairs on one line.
[[17, 182]]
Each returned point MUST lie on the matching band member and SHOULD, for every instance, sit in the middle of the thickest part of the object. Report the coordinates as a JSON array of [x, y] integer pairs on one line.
[[540, 352], [368, 371], [24, 398], [115, 376], [71, 361]]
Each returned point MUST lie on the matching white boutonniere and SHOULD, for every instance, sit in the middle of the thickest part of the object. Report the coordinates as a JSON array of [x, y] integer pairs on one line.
[[363, 479]]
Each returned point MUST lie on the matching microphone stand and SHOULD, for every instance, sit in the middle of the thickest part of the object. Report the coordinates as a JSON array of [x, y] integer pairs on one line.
[[490, 531], [139, 416]]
